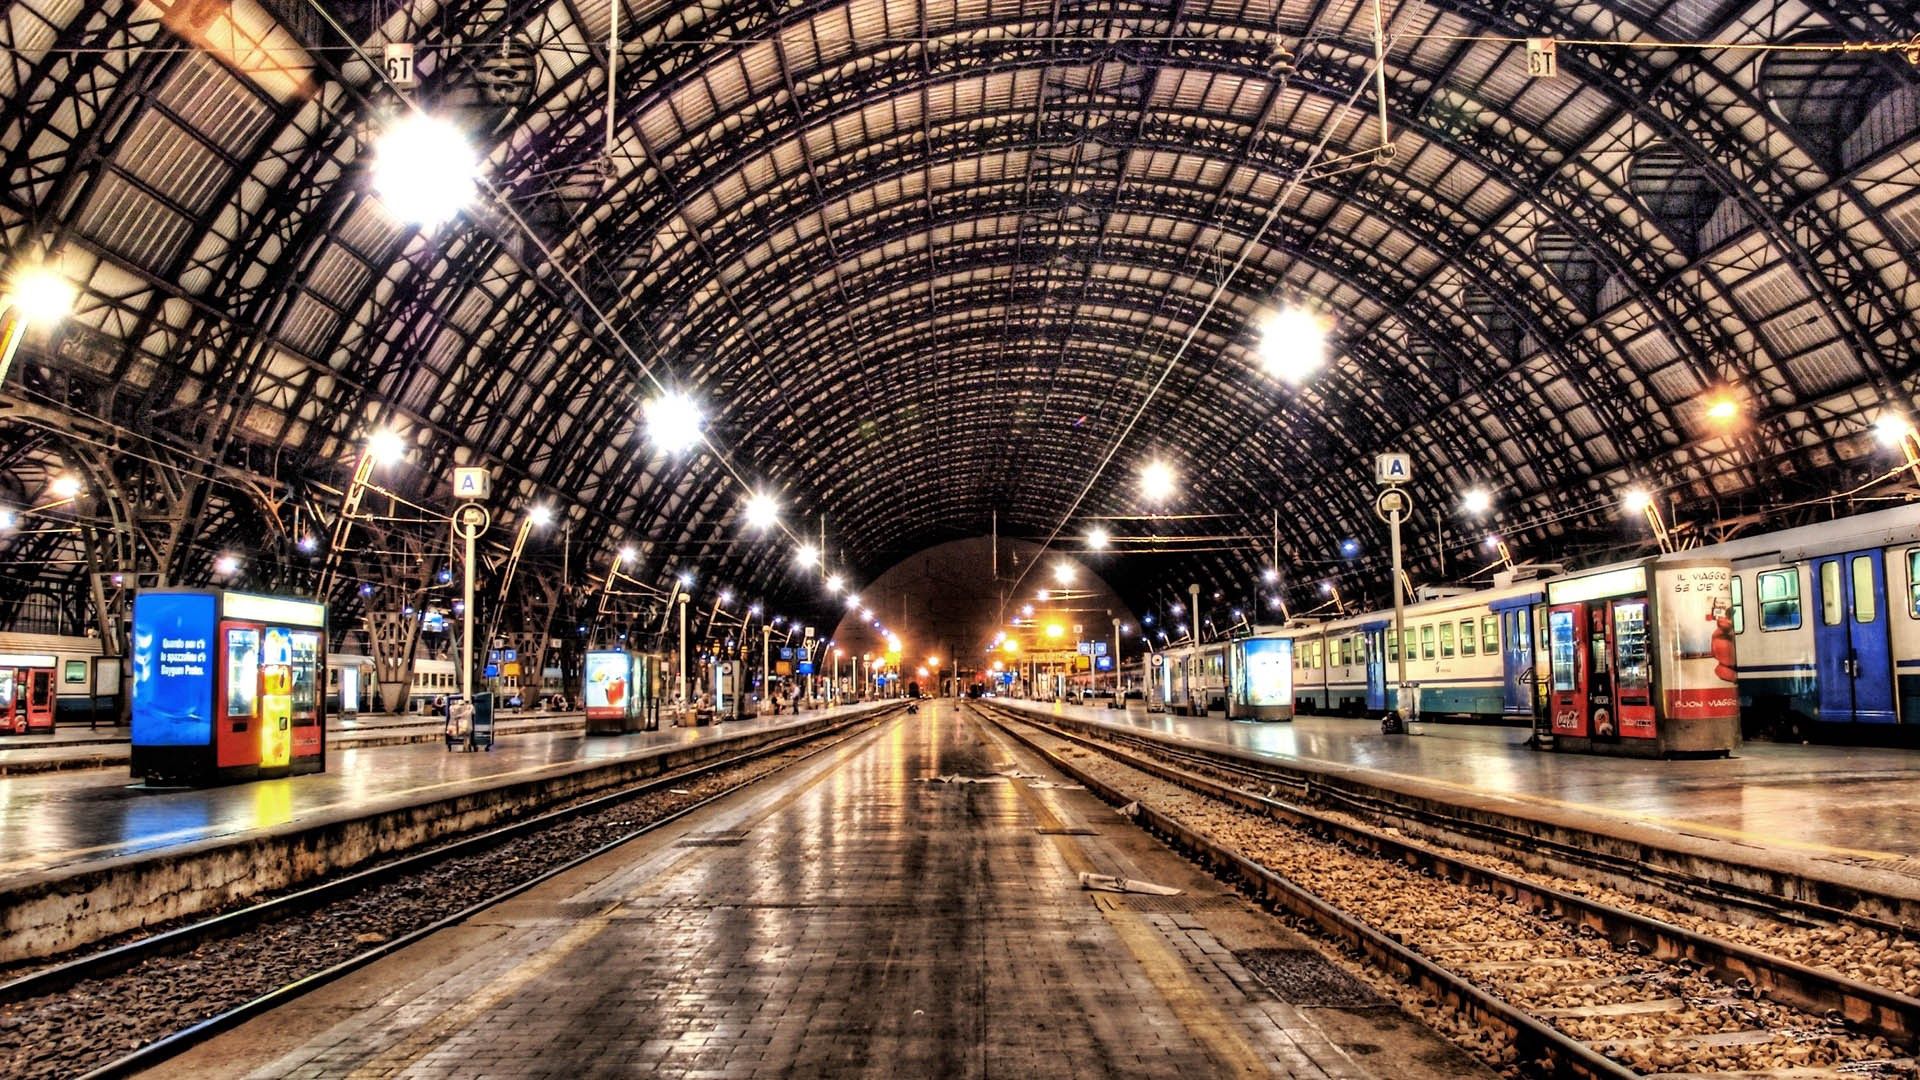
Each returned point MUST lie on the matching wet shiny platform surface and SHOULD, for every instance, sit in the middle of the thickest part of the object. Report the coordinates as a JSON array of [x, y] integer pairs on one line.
[[55, 820], [1842, 804], [849, 918]]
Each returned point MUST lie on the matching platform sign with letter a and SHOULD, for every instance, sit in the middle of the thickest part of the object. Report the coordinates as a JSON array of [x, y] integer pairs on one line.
[[1392, 469], [472, 484]]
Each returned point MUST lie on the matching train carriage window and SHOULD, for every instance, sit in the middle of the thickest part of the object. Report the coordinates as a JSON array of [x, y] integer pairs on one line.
[[1412, 643], [1830, 598], [1779, 599], [1866, 605], [1489, 634], [1426, 642], [1913, 583], [1739, 606], [76, 671], [1446, 640], [1466, 637], [1393, 646]]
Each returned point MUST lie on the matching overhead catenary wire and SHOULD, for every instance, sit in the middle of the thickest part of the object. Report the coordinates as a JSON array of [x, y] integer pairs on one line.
[[1287, 191]]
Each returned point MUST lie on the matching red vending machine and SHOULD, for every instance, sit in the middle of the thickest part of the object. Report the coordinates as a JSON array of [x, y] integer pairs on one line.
[[1635, 654]]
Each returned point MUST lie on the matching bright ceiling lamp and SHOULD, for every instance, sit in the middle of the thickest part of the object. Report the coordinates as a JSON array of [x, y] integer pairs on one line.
[[1063, 573], [673, 422], [40, 295], [386, 446], [807, 555], [1293, 344], [1156, 480], [1476, 500], [424, 169], [1098, 538], [763, 511]]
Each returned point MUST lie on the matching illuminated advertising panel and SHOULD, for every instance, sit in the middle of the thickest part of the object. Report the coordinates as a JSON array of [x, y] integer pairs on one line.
[[1266, 671], [609, 678], [173, 669], [1694, 655]]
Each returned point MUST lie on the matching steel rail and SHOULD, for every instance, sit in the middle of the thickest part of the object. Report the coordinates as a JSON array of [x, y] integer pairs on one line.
[[1860, 1005]]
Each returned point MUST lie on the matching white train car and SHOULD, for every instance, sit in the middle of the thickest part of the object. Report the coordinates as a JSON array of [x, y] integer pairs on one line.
[[1470, 654], [1826, 623], [49, 679]]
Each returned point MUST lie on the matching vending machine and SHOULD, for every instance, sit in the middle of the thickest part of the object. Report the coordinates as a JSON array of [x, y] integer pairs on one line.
[[226, 685]]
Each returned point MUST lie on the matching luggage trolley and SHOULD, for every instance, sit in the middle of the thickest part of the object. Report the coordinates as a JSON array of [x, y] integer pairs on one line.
[[470, 726]]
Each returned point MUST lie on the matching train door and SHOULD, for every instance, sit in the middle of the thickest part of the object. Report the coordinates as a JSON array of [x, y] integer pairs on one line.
[[1851, 653], [1567, 663], [1376, 669], [38, 701], [1517, 677]]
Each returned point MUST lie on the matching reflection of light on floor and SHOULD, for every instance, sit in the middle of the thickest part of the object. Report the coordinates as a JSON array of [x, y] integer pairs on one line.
[[272, 803]]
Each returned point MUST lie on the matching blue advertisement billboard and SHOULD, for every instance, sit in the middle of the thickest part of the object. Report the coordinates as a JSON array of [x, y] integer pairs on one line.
[[173, 669]]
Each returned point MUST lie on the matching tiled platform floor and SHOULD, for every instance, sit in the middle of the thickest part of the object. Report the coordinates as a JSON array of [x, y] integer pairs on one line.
[[848, 919]]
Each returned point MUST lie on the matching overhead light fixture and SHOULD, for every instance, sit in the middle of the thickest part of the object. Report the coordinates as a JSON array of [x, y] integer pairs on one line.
[[65, 486], [763, 511], [226, 565], [1293, 344], [386, 446], [835, 583], [1270, 575], [1063, 573], [541, 516], [1891, 428], [1157, 481], [807, 555], [1097, 538], [1722, 408], [424, 169], [627, 553], [1636, 500], [40, 295], [673, 422], [1476, 500], [308, 544]]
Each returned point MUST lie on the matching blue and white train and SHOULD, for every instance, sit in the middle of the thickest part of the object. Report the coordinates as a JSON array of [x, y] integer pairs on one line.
[[1825, 636]]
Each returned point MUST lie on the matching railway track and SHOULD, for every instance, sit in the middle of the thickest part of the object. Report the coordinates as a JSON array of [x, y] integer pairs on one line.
[[1536, 979], [1542, 851], [119, 1010]]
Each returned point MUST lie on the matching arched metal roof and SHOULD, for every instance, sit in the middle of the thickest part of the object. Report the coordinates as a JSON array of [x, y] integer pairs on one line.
[[924, 262]]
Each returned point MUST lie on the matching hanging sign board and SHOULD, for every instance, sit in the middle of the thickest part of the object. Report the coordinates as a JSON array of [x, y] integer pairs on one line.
[[1543, 59], [399, 65]]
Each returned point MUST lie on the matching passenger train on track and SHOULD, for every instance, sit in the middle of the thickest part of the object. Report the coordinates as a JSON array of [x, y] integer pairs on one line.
[[1817, 632]]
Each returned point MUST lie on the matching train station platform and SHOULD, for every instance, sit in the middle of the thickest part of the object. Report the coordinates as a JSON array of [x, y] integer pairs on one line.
[[70, 819], [107, 746], [1807, 815], [853, 917]]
